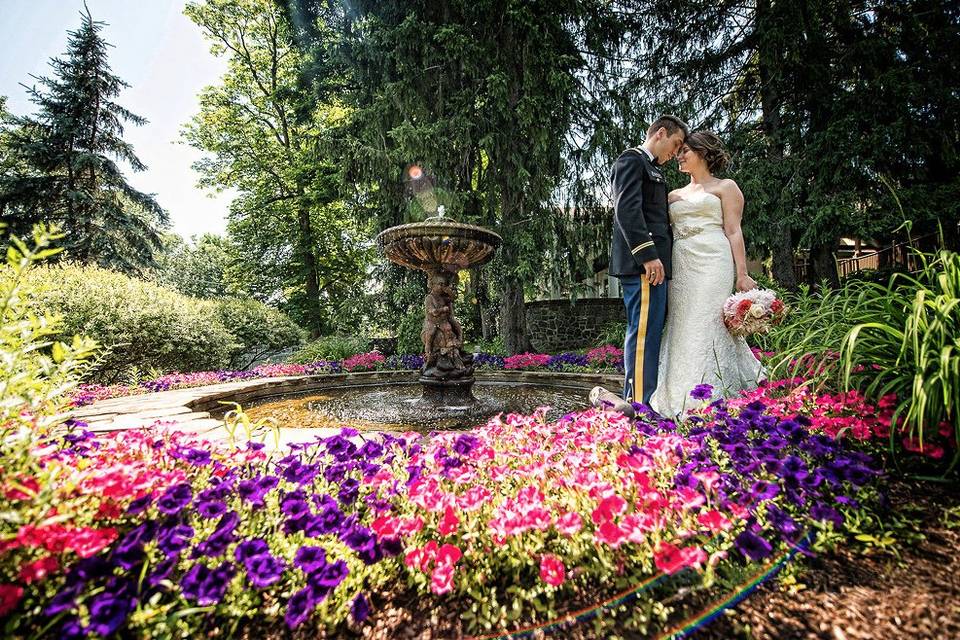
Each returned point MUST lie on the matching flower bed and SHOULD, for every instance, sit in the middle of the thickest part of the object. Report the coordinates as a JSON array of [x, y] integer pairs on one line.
[[507, 523], [607, 358]]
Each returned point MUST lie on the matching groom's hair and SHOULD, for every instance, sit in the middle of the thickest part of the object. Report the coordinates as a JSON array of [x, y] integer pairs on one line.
[[672, 124]]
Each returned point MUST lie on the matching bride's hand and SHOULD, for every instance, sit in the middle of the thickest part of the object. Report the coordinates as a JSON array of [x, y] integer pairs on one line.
[[745, 283]]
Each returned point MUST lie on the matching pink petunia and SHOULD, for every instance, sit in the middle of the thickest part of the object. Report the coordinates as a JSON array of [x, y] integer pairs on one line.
[[608, 509], [552, 570], [714, 521], [610, 533], [37, 570], [449, 522], [441, 581], [569, 523], [10, 595]]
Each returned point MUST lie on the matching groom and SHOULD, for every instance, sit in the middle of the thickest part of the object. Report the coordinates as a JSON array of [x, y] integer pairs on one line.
[[641, 248]]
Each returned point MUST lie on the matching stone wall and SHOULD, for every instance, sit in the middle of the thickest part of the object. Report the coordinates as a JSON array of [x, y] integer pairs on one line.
[[558, 325]]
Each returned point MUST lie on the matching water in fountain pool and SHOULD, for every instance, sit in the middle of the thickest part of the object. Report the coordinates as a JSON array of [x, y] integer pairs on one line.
[[394, 408]]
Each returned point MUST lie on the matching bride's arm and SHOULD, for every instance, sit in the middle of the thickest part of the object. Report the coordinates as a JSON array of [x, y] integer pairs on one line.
[[732, 200]]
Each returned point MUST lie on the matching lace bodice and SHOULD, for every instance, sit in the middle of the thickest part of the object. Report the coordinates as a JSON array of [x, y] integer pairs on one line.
[[696, 213]]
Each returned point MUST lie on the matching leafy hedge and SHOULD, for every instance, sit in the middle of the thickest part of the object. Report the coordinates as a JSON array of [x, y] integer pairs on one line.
[[144, 326], [330, 348]]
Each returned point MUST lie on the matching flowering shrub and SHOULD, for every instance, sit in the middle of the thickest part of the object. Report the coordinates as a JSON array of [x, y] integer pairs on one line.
[[364, 361], [526, 361], [606, 356], [179, 535]]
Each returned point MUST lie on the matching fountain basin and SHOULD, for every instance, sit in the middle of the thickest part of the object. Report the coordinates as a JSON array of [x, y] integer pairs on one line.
[[439, 243], [389, 400]]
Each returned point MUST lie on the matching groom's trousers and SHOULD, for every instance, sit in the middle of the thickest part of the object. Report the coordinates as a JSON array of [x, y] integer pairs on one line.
[[646, 311]]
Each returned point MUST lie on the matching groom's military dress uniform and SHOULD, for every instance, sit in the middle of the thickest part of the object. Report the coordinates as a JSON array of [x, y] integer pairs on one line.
[[641, 232]]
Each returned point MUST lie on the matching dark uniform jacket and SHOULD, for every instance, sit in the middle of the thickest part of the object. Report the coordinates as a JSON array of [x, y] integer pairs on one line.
[[641, 222]]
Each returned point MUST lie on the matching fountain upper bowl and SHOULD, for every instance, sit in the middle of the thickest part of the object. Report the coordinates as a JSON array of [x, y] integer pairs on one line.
[[438, 242]]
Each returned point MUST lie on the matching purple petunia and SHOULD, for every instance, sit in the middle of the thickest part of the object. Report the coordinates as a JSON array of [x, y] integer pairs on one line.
[[310, 559], [340, 447], [140, 504], [198, 457], [108, 611], [211, 509], [360, 608], [264, 570], [331, 575], [702, 392], [299, 607], [161, 572], [250, 548], [826, 514], [64, 600], [175, 539], [464, 444], [752, 546], [175, 499]]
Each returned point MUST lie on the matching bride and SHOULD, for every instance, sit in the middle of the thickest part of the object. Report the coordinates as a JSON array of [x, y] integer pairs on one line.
[[709, 259]]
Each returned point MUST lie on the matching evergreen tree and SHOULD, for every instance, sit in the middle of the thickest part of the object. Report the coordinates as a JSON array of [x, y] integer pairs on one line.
[[838, 110], [483, 96], [60, 164]]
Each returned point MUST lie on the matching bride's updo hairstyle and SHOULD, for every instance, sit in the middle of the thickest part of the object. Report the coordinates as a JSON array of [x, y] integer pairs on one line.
[[708, 146]]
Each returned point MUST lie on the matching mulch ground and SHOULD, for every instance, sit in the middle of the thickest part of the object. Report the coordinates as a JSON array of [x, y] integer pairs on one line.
[[850, 595]]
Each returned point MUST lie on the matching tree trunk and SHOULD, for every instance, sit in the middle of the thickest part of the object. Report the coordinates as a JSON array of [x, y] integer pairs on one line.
[[312, 277], [781, 243], [822, 263], [513, 318]]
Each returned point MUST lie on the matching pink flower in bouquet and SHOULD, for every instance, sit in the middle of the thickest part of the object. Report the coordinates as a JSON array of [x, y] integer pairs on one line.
[[753, 311], [552, 570]]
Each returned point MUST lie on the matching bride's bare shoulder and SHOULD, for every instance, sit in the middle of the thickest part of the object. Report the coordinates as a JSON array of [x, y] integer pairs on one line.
[[729, 186]]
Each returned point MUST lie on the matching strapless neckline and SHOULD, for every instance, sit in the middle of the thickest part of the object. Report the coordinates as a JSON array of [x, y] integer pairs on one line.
[[692, 200]]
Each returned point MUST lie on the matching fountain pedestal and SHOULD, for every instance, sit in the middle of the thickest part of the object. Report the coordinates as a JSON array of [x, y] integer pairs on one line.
[[441, 248]]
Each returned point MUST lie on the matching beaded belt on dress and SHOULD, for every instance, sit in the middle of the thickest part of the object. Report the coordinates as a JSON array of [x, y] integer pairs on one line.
[[680, 232]]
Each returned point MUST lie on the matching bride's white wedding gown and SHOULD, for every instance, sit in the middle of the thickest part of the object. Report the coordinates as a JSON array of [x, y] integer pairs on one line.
[[697, 348]]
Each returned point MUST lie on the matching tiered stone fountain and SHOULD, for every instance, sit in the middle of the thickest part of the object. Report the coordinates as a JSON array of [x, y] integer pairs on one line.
[[442, 248]]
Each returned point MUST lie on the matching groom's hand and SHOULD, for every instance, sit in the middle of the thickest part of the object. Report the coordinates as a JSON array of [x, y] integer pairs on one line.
[[654, 271]]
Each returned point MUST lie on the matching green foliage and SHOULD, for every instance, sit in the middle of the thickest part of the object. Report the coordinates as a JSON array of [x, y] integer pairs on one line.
[[200, 269], [907, 342], [409, 338], [330, 348], [264, 139], [140, 324], [808, 342], [36, 370], [614, 333], [257, 329], [61, 165], [494, 347], [899, 337]]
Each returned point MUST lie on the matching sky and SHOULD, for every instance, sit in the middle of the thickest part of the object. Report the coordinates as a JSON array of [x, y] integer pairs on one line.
[[165, 59]]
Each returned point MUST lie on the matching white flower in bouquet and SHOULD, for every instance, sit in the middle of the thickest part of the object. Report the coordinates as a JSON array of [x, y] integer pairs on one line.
[[754, 311]]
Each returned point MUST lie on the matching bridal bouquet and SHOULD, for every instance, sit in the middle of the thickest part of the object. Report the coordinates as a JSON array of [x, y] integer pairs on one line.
[[753, 311]]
